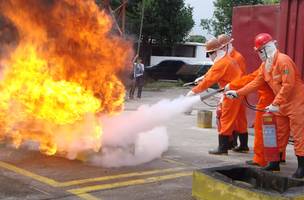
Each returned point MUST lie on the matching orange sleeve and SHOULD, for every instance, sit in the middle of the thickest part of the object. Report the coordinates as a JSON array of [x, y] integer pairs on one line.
[[253, 85], [215, 73], [240, 60], [288, 82], [241, 82], [243, 64]]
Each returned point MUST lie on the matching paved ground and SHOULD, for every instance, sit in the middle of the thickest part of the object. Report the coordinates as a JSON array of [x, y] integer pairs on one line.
[[29, 175]]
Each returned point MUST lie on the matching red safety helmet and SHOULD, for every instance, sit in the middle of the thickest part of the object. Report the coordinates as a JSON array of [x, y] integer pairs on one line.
[[261, 39]]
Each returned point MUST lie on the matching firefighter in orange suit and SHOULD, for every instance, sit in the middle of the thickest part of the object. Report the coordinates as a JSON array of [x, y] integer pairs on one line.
[[241, 121], [265, 97], [280, 73], [223, 71]]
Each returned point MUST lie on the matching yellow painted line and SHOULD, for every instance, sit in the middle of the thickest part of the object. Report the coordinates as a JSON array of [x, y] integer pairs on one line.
[[174, 161], [129, 183], [86, 196], [55, 183], [41, 179], [26, 173], [127, 175]]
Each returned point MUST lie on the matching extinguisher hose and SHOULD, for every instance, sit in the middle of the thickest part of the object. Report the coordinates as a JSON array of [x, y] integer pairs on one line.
[[252, 107], [211, 94], [245, 101], [212, 106]]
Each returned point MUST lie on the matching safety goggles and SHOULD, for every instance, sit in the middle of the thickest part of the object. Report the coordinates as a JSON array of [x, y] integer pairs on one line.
[[208, 54], [262, 50]]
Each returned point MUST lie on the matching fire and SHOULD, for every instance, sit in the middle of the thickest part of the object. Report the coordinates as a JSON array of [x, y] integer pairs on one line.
[[60, 75]]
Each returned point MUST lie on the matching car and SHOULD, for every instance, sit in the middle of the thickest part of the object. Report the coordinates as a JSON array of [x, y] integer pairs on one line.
[[175, 70], [164, 70]]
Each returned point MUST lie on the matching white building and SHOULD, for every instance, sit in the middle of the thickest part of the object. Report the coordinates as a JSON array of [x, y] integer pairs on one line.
[[191, 53]]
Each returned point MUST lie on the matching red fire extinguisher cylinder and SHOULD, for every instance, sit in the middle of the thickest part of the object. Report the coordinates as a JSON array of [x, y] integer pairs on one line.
[[271, 149]]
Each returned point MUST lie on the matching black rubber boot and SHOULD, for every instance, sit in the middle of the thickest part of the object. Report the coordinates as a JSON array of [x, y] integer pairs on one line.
[[252, 163], [235, 138], [222, 149], [273, 166], [300, 171], [230, 144], [243, 148], [282, 161]]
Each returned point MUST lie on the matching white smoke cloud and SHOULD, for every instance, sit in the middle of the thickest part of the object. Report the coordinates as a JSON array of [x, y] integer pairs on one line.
[[148, 146], [123, 129], [139, 137]]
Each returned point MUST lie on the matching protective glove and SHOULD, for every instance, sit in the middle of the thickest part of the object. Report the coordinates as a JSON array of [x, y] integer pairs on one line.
[[231, 94], [199, 79], [272, 108], [190, 93], [227, 88]]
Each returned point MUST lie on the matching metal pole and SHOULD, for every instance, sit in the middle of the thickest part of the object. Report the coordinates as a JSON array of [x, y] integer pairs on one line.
[[141, 26], [114, 19]]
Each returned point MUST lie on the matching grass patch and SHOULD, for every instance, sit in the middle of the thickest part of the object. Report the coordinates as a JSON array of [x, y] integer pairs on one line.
[[159, 84]]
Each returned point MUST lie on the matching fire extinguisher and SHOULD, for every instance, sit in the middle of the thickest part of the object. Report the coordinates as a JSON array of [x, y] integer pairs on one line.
[[218, 116], [271, 149]]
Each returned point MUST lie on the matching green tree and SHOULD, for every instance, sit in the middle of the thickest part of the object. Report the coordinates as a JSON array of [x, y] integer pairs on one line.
[[196, 38], [166, 22], [221, 22]]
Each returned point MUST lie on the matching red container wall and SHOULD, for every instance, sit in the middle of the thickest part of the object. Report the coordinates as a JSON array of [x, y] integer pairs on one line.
[[285, 22], [291, 40], [247, 22]]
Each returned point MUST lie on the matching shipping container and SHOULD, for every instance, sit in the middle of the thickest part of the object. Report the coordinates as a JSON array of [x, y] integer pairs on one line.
[[284, 21], [291, 32], [247, 22]]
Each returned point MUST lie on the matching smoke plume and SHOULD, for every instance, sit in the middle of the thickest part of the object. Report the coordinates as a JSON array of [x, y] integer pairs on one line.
[[140, 136]]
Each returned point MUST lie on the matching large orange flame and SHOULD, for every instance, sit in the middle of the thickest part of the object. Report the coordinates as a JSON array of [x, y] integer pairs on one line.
[[60, 75]]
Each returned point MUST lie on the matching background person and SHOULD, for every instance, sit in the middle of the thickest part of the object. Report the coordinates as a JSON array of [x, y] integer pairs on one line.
[[138, 78]]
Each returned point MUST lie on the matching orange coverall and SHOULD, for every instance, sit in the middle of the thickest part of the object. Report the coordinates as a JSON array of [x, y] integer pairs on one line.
[[241, 120], [266, 97], [285, 82], [223, 72]]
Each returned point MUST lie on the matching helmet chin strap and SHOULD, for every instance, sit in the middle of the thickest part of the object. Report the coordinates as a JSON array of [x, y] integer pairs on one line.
[[265, 52], [229, 48]]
